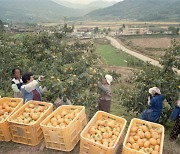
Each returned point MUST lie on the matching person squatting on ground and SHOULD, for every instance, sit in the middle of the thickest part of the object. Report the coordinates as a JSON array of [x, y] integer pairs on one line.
[[155, 101]]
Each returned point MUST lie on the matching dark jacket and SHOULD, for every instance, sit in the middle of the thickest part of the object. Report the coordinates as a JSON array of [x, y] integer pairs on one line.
[[156, 103], [154, 112], [175, 113]]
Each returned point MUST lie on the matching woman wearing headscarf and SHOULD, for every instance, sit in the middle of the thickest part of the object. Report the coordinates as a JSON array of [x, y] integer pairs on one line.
[[155, 101], [105, 94]]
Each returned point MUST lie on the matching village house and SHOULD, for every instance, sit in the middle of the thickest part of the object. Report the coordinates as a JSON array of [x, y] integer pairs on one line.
[[135, 31], [84, 30]]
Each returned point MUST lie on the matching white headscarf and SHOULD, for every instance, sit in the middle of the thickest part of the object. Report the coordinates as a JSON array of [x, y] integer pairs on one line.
[[154, 90], [178, 103], [109, 79]]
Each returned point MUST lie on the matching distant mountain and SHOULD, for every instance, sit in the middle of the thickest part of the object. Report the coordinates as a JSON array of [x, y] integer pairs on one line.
[[34, 11], [100, 4], [48, 10], [142, 10], [86, 7], [69, 4]]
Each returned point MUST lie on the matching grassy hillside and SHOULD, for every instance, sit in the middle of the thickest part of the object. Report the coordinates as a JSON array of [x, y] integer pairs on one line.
[[142, 10], [45, 10], [34, 10]]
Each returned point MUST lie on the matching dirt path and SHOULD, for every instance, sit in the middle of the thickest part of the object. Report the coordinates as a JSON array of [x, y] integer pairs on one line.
[[117, 45], [124, 71]]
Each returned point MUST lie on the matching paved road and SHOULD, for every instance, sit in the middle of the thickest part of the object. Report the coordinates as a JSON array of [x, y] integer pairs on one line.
[[117, 45]]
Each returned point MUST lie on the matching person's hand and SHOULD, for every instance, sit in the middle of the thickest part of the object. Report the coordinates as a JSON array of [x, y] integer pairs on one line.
[[44, 89], [178, 103], [41, 78], [149, 99]]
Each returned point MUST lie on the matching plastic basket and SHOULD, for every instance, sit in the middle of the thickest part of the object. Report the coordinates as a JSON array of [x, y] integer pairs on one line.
[[134, 121], [4, 127], [29, 134], [89, 147], [64, 139]]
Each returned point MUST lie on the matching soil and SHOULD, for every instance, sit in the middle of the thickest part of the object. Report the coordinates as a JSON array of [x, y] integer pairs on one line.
[[152, 42], [124, 71], [15, 148]]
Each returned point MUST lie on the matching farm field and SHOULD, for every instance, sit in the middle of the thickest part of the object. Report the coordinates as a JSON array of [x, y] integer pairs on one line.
[[153, 46], [114, 25], [114, 57], [161, 43]]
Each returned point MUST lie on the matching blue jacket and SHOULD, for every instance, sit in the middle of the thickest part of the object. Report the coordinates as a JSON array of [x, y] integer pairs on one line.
[[154, 112], [156, 103], [175, 113]]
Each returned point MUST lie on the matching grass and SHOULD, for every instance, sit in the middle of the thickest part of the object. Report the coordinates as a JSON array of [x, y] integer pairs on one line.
[[116, 108], [114, 57], [19, 36]]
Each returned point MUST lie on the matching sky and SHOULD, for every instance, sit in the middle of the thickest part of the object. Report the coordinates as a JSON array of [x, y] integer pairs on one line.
[[87, 1]]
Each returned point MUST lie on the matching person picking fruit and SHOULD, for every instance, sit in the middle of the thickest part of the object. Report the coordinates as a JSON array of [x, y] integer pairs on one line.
[[175, 115], [30, 88], [17, 83], [105, 94], [155, 100]]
